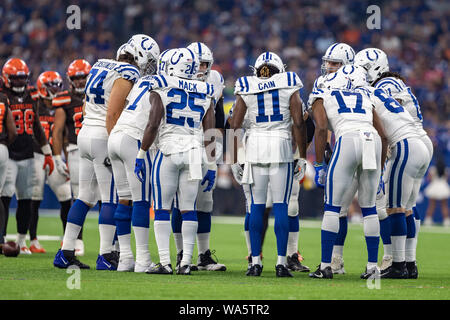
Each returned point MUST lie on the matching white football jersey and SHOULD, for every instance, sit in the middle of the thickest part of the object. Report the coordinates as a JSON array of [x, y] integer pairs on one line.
[[185, 104], [268, 112], [215, 79], [134, 117], [399, 91], [397, 122], [347, 110], [317, 88], [99, 85]]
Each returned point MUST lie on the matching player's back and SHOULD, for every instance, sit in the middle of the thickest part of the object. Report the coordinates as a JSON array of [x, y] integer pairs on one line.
[[185, 105], [134, 116], [267, 100], [347, 110], [400, 91], [269, 116], [397, 122], [99, 85]]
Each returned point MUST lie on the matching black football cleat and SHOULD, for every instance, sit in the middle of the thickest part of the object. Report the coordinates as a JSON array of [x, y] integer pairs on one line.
[[254, 271], [66, 258], [413, 273], [294, 264], [396, 271], [326, 273], [206, 262], [184, 270], [160, 269], [282, 272]]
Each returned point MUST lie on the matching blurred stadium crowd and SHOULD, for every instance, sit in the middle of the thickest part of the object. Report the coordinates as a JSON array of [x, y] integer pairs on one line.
[[415, 35]]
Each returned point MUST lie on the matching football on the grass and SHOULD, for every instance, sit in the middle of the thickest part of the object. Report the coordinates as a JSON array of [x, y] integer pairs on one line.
[[11, 249]]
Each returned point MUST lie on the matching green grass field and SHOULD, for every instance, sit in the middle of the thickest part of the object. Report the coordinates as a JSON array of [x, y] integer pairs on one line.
[[34, 277]]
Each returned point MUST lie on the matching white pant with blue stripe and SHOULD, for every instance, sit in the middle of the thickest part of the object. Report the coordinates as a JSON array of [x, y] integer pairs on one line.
[[280, 176], [122, 150], [95, 175], [170, 178], [404, 172], [346, 166]]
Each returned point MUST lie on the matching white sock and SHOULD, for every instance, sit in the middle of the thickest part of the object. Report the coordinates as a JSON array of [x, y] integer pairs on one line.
[[256, 260], [107, 232], [125, 246], [178, 237], [70, 236], [292, 245], [338, 251], [21, 240], [189, 232], [281, 260], [163, 229], [371, 265], [387, 250], [398, 248], [247, 240], [142, 251], [323, 265], [203, 242], [410, 249]]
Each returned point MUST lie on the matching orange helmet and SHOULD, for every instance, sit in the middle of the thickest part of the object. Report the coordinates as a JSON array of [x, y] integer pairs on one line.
[[49, 83], [15, 74], [78, 69]]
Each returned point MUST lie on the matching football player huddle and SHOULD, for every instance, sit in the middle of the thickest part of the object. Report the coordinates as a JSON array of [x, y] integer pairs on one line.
[[140, 131]]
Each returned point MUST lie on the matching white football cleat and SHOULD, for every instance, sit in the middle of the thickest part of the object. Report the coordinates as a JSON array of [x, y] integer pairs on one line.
[[24, 250], [428, 221], [447, 222], [79, 248], [337, 265], [142, 267], [126, 265], [206, 262], [385, 263]]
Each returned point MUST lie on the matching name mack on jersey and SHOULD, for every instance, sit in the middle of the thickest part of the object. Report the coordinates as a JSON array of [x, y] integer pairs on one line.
[[188, 86]]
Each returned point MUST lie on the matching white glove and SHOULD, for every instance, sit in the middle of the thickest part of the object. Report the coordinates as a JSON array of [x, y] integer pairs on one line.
[[61, 166], [238, 172], [300, 168]]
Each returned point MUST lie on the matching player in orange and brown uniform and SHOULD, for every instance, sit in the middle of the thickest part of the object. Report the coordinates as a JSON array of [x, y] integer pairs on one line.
[[68, 107], [23, 105]]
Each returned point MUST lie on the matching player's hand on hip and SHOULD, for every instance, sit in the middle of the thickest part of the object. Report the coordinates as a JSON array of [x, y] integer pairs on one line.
[[61, 167], [321, 174]]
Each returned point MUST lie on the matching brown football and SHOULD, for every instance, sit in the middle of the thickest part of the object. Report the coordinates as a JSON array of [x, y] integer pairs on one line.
[[11, 249]]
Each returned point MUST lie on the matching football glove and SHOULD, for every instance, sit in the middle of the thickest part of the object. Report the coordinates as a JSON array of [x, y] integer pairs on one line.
[[300, 168], [139, 166], [238, 171], [61, 167], [48, 160], [210, 177], [321, 174]]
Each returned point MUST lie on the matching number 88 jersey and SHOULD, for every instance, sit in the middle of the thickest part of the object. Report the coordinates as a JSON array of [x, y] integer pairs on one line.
[[185, 104], [99, 85]]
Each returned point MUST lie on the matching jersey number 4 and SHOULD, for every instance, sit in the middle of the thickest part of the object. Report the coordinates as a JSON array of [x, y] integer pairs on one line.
[[186, 99], [94, 87]]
